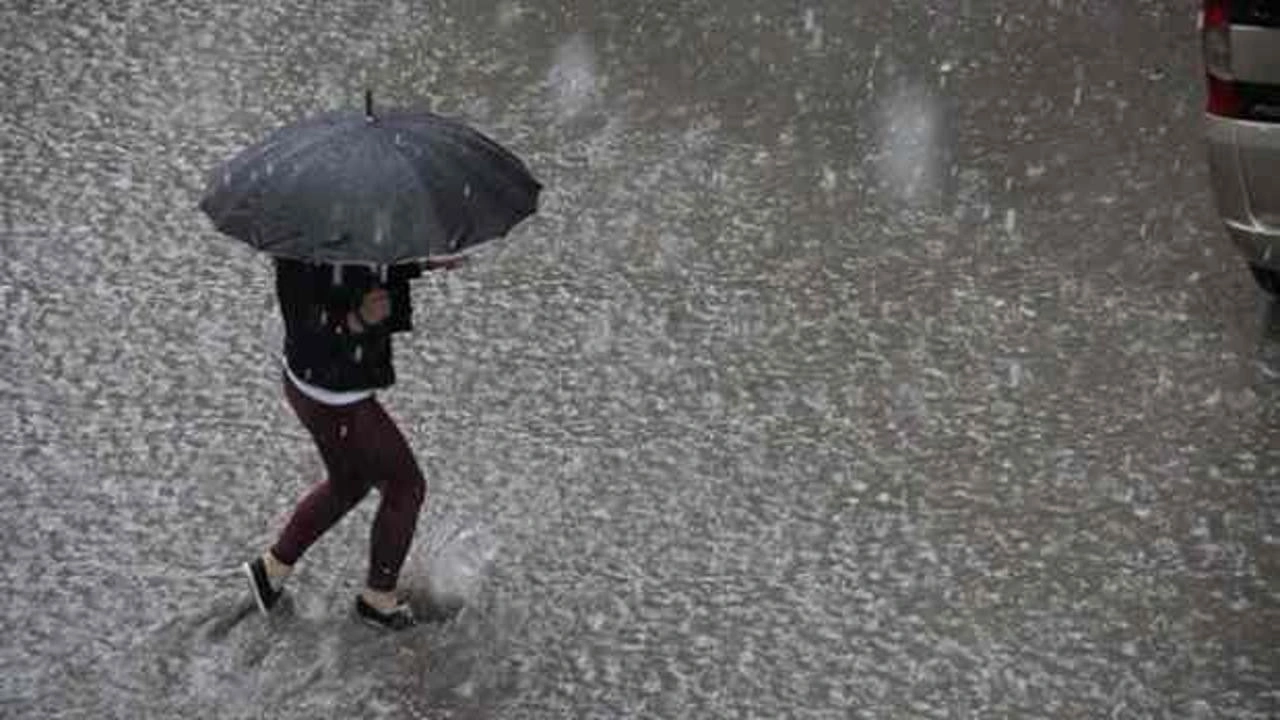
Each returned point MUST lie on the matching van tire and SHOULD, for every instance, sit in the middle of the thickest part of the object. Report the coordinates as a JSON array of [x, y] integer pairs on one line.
[[1267, 278]]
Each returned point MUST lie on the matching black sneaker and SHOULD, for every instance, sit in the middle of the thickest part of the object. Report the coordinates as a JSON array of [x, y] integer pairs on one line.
[[399, 617], [260, 586]]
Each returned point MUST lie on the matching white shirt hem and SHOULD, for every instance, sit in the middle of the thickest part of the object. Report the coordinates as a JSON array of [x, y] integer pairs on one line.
[[321, 395]]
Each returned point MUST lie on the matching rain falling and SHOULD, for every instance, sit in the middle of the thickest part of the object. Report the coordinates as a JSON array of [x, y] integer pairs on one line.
[[862, 359]]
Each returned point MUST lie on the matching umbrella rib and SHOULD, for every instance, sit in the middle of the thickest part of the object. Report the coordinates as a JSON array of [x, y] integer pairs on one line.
[[457, 136], [457, 130], [413, 171], [456, 164], [258, 155], [463, 137]]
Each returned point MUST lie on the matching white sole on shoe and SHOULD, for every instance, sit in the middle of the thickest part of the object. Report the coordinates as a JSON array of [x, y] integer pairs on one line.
[[387, 626]]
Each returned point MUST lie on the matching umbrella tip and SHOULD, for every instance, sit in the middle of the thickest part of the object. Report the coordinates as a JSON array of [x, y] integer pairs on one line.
[[368, 105]]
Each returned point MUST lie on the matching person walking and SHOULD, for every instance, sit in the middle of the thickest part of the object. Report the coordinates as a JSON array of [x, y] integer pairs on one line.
[[346, 202], [338, 322]]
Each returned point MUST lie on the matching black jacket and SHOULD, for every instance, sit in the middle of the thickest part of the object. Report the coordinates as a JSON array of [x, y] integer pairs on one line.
[[319, 347]]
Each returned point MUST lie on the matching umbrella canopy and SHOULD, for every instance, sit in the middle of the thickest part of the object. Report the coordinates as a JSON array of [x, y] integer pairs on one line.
[[349, 187]]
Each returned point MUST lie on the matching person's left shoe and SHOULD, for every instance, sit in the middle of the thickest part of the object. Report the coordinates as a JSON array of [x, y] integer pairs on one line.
[[264, 593], [399, 617]]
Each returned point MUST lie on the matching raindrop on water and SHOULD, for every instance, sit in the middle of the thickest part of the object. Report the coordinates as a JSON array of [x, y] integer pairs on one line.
[[829, 179]]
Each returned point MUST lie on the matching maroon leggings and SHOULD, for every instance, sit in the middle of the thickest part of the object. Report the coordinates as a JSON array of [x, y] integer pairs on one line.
[[362, 448]]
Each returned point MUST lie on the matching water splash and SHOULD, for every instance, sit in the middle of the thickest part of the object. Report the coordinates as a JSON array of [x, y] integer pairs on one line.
[[452, 558], [909, 152], [573, 77]]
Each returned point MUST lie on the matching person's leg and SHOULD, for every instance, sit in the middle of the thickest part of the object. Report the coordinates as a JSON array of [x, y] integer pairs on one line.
[[335, 431], [403, 489]]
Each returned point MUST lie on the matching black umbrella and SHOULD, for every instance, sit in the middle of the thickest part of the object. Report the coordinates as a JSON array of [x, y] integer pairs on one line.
[[376, 189]]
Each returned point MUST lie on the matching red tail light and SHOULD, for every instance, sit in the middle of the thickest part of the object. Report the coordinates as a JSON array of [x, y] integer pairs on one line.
[[1215, 43], [1215, 38], [1224, 99], [1216, 13]]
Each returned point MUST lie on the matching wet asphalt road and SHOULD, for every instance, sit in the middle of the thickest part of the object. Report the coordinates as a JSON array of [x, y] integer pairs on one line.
[[866, 360]]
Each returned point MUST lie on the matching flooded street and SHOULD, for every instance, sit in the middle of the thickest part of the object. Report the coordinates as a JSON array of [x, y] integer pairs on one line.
[[866, 360]]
